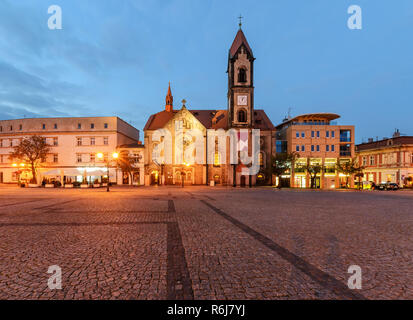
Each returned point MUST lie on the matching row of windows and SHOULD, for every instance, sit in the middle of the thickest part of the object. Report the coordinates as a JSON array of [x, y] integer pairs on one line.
[[92, 141], [5, 158], [390, 158], [314, 148], [15, 142], [55, 126], [315, 134]]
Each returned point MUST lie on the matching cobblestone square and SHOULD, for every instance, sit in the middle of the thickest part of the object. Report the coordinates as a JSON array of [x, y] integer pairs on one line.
[[205, 243]]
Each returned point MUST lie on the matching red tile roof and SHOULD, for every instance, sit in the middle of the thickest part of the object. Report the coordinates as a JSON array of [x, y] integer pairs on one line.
[[238, 41], [210, 119]]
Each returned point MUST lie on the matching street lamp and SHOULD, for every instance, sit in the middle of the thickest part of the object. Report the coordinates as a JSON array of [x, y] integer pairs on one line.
[[18, 172], [115, 155]]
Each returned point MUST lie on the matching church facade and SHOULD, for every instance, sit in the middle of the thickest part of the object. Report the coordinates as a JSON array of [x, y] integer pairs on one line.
[[166, 134]]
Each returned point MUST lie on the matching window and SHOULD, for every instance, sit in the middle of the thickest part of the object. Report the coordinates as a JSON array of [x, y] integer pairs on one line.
[[345, 136], [318, 148], [92, 157], [303, 148], [312, 134], [297, 134], [20, 127], [55, 142], [333, 148], [312, 147], [327, 134], [106, 125], [92, 126], [242, 75], [303, 134], [43, 126], [11, 142], [55, 158], [92, 141], [281, 146], [79, 141], [55, 125], [217, 159], [411, 160], [333, 134], [105, 141], [297, 148], [11, 128], [242, 116], [327, 147], [261, 159], [79, 157], [318, 134], [364, 161], [1, 143], [1, 128], [79, 126], [372, 160]]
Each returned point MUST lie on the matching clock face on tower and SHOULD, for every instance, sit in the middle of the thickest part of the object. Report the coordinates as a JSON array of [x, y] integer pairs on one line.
[[242, 100]]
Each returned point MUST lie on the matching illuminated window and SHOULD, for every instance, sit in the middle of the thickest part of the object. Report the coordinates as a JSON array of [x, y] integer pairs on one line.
[[217, 159], [261, 158], [78, 157], [371, 160], [364, 161], [92, 157], [92, 141], [79, 141], [105, 141]]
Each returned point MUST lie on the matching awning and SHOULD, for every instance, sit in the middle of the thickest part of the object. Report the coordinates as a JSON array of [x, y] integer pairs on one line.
[[55, 172]]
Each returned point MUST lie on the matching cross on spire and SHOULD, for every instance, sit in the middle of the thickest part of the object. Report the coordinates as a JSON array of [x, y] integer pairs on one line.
[[240, 20]]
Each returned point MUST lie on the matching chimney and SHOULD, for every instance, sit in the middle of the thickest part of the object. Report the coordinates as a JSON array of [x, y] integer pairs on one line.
[[169, 100]]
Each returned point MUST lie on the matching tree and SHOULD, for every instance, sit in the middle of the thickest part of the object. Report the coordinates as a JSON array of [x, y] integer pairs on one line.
[[127, 163], [281, 164], [349, 168], [33, 151], [313, 170]]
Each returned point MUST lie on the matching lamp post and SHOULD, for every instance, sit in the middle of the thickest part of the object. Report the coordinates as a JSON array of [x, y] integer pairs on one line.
[[18, 171], [115, 156]]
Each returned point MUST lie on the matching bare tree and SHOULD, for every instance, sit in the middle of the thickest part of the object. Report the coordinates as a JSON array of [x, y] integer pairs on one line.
[[33, 151], [128, 164]]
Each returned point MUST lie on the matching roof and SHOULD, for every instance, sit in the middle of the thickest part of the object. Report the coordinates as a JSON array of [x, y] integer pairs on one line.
[[385, 143], [309, 116], [210, 119], [132, 145], [238, 41]]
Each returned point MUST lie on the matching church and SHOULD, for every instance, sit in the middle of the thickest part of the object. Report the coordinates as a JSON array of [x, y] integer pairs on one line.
[[241, 114]]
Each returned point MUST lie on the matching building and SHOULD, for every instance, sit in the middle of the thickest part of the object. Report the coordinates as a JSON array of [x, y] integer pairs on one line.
[[240, 114], [387, 160], [74, 142], [316, 139]]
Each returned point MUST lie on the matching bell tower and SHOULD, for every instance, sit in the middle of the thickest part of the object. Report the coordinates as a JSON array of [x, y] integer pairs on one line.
[[240, 82]]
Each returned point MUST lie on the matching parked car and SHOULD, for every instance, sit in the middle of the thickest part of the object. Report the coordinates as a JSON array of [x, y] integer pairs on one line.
[[388, 186]]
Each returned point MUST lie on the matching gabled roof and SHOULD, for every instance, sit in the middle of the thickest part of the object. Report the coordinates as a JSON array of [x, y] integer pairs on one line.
[[239, 40], [210, 119]]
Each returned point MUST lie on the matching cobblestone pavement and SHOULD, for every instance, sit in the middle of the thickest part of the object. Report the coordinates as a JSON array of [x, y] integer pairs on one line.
[[205, 243]]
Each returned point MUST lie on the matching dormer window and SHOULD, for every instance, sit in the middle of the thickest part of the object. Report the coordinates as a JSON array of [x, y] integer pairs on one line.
[[242, 75]]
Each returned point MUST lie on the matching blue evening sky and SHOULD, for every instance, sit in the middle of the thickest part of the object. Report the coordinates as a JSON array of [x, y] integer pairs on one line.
[[115, 57]]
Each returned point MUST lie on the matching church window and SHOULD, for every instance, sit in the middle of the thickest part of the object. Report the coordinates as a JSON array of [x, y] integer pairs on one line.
[[242, 116], [242, 75]]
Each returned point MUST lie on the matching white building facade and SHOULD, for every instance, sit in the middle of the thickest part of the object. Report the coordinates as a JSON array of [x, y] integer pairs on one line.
[[74, 147]]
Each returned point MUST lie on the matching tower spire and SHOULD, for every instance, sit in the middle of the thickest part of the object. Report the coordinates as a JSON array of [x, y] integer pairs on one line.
[[240, 21], [169, 99]]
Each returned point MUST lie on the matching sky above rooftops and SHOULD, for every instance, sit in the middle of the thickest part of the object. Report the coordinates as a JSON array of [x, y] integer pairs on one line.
[[116, 58]]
